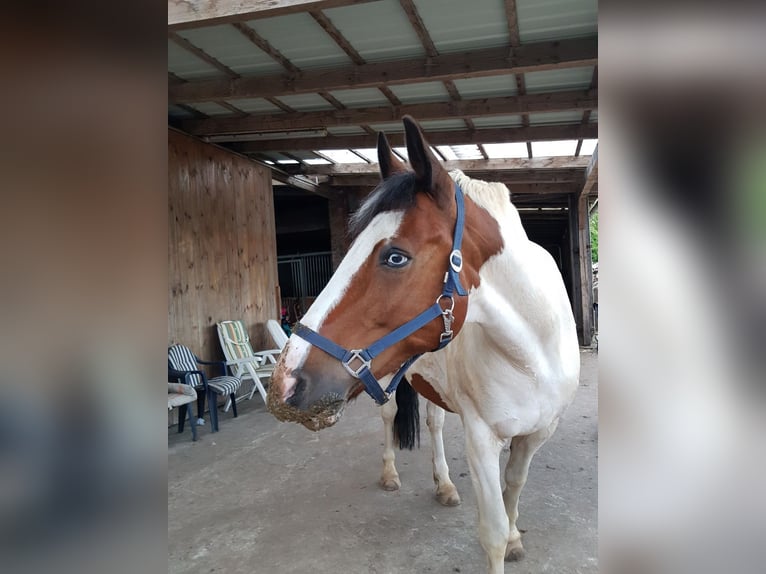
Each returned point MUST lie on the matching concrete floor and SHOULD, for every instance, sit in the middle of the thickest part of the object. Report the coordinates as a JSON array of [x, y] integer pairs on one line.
[[262, 496]]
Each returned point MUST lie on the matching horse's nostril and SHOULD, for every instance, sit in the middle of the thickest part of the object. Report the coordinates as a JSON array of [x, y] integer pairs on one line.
[[299, 389]]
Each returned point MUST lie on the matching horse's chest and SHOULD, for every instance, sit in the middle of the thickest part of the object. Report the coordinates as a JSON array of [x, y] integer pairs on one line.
[[425, 389]]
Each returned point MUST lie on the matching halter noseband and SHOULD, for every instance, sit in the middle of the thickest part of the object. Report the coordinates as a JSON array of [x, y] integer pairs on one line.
[[364, 357]]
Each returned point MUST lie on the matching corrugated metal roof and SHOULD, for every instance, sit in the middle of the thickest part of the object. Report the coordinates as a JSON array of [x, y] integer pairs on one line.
[[573, 117], [211, 109], [256, 106], [541, 20], [452, 124], [453, 28], [301, 40], [390, 127], [424, 92], [498, 122], [490, 86], [302, 154], [559, 80], [360, 98], [345, 130], [377, 30], [186, 65], [177, 112], [230, 47], [306, 102]]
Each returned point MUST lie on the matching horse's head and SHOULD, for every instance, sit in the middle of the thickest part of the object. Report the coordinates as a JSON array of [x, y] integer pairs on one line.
[[394, 270]]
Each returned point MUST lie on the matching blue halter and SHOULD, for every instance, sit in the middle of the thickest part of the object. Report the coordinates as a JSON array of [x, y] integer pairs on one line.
[[364, 357]]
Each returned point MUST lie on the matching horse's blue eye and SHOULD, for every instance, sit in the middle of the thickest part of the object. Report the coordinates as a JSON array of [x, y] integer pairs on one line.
[[397, 259]]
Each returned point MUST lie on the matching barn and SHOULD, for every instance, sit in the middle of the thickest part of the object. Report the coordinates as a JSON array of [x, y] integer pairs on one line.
[[273, 117]]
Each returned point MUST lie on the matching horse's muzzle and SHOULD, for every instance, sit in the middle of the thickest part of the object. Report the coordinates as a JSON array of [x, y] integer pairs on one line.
[[314, 404]]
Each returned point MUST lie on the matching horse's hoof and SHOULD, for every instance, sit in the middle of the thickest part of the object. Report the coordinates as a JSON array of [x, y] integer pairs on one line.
[[514, 553], [448, 497], [390, 484]]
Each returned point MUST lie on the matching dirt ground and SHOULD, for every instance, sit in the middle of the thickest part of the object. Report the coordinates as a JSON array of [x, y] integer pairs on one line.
[[262, 496]]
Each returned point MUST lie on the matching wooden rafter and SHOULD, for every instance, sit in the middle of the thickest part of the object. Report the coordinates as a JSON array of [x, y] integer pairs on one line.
[[564, 179], [420, 28], [337, 37], [591, 174], [548, 102], [514, 39], [513, 23], [486, 62], [281, 105], [264, 45], [586, 113], [391, 96], [466, 165], [173, 78], [197, 13], [233, 109], [202, 55], [452, 137]]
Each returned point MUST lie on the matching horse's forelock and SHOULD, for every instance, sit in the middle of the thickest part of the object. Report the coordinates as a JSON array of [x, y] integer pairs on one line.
[[394, 193]]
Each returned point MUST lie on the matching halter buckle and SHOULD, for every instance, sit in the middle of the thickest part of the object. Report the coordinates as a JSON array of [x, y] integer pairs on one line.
[[456, 260], [356, 354]]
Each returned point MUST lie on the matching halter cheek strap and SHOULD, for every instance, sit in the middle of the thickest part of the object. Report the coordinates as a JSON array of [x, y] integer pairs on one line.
[[358, 361]]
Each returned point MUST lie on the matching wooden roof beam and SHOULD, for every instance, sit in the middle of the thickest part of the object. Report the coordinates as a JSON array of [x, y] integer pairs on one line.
[[197, 13], [565, 180], [591, 175], [466, 165], [548, 102], [485, 62], [456, 137]]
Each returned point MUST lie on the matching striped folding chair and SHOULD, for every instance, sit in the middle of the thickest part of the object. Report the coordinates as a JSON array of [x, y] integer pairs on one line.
[[242, 360], [183, 367]]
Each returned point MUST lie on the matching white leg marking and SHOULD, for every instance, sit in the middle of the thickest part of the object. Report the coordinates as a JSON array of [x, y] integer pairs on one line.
[[483, 452], [389, 480], [523, 449], [446, 493]]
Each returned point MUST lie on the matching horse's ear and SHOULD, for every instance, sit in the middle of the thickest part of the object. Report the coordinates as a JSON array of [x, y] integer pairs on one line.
[[427, 168], [387, 161]]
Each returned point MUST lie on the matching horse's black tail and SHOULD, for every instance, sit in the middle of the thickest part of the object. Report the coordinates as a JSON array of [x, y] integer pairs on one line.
[[407, 420]]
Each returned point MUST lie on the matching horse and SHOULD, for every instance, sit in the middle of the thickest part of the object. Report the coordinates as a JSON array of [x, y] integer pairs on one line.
[[440, 262]]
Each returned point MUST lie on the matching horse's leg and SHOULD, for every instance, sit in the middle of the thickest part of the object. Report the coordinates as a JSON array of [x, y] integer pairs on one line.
[[389, 480], [446, 493], [483, 453], [523, 449]]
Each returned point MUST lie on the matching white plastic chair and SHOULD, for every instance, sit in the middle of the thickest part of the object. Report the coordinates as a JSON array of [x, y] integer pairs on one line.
[[243, 361]]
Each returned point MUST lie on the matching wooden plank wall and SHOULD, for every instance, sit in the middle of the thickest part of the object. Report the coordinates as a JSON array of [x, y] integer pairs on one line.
[[222, 251]]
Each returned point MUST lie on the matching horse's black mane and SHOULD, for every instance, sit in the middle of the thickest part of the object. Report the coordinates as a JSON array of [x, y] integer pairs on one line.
[[394, 193]]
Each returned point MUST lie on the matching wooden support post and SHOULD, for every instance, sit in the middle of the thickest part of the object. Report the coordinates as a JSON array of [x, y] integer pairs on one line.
[[586, 271], [339, 213], [575, 267]]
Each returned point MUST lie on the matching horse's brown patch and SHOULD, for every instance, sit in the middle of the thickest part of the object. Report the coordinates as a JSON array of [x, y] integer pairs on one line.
[[425, 389]]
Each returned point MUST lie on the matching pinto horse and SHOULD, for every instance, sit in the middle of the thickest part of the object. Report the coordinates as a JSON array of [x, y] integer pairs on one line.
[[441, 261]]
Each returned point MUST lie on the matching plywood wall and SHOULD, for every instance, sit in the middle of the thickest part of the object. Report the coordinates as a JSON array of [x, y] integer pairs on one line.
[[221, 247]]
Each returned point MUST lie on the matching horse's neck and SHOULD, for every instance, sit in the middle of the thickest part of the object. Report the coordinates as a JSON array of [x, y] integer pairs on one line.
[[521, 300]]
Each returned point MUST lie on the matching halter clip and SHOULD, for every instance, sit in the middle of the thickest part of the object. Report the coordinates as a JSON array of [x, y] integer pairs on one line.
[[356, 354]]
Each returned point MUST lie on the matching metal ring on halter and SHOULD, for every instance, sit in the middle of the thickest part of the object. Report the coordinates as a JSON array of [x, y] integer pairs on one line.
[[452, 302], [356, 354], [456, 267]]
